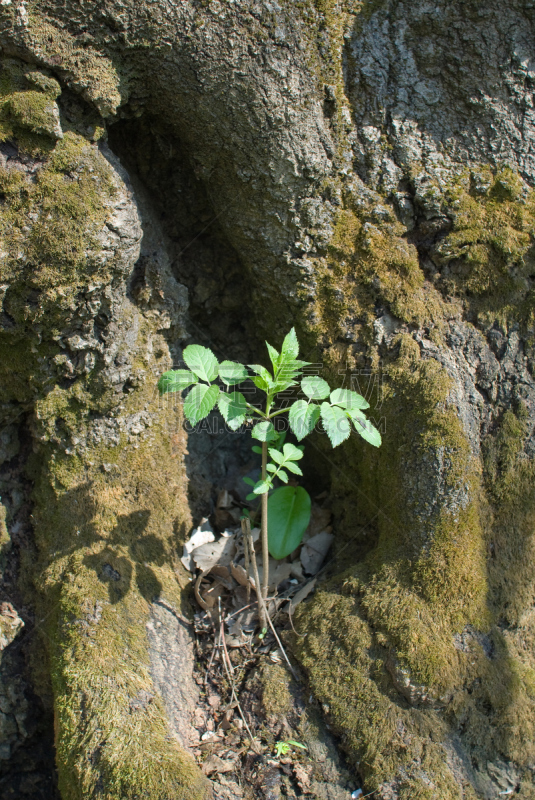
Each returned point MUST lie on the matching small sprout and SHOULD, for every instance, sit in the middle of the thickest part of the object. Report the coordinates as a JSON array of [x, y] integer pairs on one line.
[[283, 748]]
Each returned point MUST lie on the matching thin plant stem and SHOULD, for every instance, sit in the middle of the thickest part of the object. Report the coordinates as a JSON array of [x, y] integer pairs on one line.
[[264, 525], [262, 610]]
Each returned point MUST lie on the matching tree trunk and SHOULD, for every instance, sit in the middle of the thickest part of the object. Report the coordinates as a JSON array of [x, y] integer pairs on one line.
[[363, 171]]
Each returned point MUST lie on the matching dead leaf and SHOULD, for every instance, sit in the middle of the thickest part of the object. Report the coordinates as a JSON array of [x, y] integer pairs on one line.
[[279, 571], [300, 596], [314, 551], [240, 575], [319, 520], [202, 535], [224, 499], [220, 552], [223, 576], [215, 764]]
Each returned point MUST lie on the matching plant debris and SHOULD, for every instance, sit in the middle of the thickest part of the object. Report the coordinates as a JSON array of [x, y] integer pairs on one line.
[[245, 750]]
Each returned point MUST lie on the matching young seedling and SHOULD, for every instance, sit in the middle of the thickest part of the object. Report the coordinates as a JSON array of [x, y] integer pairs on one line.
[[283, 748], [285, 516]]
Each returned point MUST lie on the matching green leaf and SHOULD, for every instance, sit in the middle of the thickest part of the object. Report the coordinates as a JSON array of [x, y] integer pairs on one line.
[[261, 384], [303, 417], [200, 401], [355, 413], [264, 432], [292, 466], [348, 399], [282, 475], [176, 380], [336, 423], [274, 356], [251, 496], [290, 347], [276, 455], [233, 408], [296, 744], [271, 467], [288, 518], [315, 388], [256, 449], [368, 431], [201, 361], [292, 452], [262, 487], [248, 481], [262, 371], [232, 373]]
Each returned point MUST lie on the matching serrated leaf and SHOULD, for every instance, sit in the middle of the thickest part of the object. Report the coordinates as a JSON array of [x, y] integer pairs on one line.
[[276, 455], [315, 388], [175, 380], [292, 452], [262, 371], [261, 384], [271, 467], [355, 413], [282, 475], [292, 466], [233, 409], [348, 399], [248, 481], [368, 431], [200, 401], [264, 432], [290, 347], [262, 487], [201, 361], [303, 417], [281, 386], [288, 517], [336, 423], [231, 372], [274, 356]]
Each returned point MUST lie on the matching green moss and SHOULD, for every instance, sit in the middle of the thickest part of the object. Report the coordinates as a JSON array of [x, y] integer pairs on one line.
[[107, 545], [276, 697], [80, 65], [490, 246], [28, 112], [5, 539], [49, 231], [370, 262], [384, 739]]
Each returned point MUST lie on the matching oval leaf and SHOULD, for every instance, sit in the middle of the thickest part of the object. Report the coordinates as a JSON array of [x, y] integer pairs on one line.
[[233, 409], [201, 361], [290, 347], [262, 487], [367, 431], [264, 432], [336, 423], [315, 388], [292, 452], [176, 380], [288, 518], [303, 417], [232, 373], [199, 402], [348, 399]]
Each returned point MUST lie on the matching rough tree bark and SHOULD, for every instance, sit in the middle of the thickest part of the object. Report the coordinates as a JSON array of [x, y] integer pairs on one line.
[[363, 170]]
